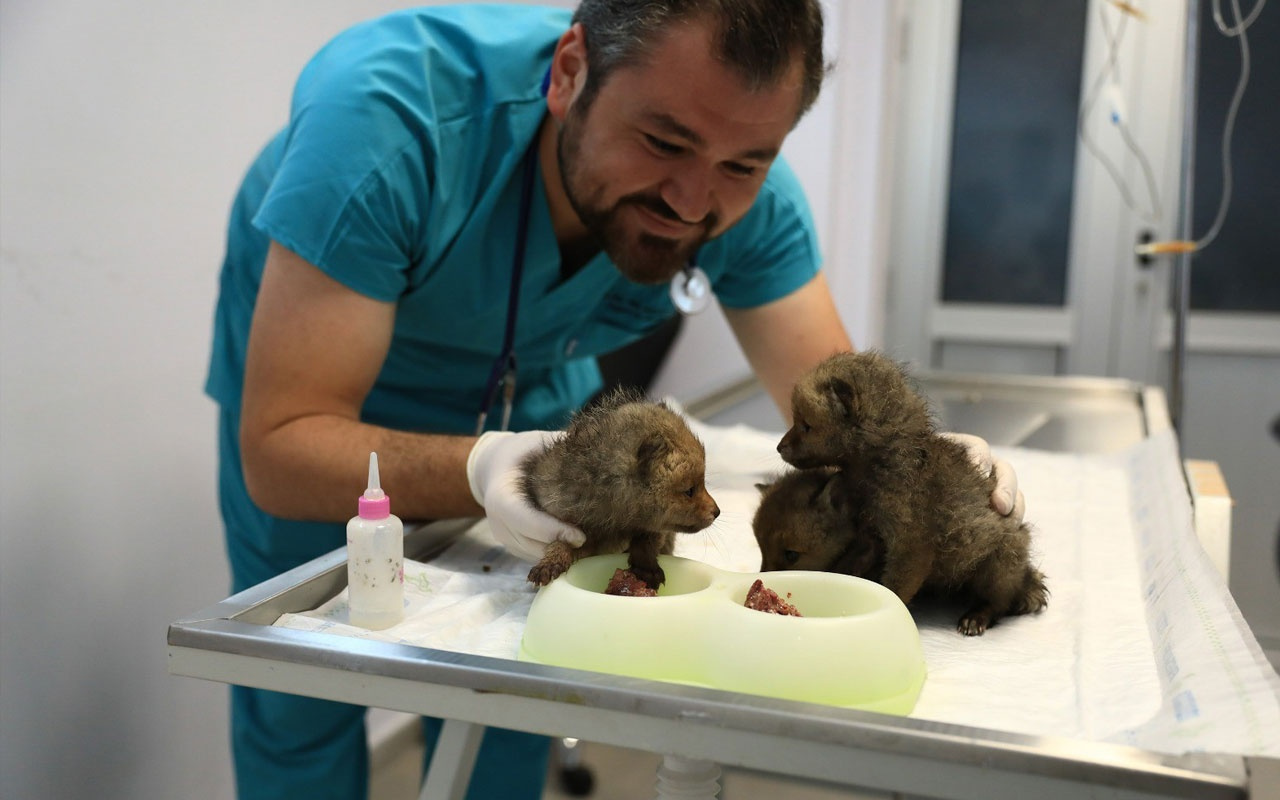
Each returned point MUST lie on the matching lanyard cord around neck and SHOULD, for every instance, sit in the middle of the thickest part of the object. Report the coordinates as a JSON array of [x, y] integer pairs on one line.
[[503, 373]]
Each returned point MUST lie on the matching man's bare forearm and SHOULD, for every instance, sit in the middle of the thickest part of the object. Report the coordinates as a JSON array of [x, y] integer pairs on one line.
[[784, 339], [314, 467]]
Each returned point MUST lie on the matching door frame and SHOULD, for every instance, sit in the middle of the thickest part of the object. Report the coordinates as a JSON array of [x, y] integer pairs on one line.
[[1114, 311]]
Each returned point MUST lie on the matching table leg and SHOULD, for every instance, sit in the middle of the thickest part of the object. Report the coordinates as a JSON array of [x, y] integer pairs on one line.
[[454, 758], [682, 778]]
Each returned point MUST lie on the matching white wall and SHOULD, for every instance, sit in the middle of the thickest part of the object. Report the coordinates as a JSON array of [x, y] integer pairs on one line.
[[124, 129]]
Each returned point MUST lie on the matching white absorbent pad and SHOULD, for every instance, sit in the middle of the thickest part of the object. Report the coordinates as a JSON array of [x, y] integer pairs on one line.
[[1141, 642]]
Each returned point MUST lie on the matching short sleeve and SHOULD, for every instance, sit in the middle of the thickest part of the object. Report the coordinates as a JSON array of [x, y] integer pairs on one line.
[[773, 250], [353, 184]]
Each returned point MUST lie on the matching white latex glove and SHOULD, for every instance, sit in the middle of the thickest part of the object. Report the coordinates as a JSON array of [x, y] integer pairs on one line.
[[493, 472], [1005, 498]]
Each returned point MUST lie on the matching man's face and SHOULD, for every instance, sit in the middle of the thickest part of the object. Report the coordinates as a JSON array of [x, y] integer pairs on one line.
[[670, 153]]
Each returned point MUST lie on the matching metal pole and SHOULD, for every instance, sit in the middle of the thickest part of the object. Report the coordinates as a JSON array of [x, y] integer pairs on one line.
[[1182, 262], [455, 757], [681, 778]]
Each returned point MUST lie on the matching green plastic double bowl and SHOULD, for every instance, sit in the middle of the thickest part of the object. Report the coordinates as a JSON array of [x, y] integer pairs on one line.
[[856, 645]]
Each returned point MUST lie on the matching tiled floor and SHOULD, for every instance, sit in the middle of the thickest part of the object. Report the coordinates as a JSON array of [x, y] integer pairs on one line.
[[618, 774]]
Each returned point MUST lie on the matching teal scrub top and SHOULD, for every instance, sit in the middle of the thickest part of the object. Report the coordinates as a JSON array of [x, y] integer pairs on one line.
[[399, 175]]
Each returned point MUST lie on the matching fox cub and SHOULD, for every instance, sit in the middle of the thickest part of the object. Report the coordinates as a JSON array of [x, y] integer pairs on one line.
[[806, 520], [880, 495], [629, 473]]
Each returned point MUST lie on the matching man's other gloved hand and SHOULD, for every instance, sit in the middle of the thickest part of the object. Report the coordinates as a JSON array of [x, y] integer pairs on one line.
[[1005, 498], [493, 472]]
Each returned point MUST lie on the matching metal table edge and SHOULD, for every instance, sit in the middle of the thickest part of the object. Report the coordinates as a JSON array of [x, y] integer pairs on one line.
[[1193, 775]]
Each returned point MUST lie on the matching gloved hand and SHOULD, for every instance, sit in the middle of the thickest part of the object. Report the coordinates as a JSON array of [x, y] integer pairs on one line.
[[493, 472], [1005, 498]]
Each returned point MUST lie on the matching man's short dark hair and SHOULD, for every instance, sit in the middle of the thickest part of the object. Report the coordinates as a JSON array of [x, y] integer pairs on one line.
[[759, 39]]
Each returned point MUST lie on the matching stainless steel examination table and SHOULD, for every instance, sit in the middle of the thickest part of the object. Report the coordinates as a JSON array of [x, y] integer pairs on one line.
[[235, 642]]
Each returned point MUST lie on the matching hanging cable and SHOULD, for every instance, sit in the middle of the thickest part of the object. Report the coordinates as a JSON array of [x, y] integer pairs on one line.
[[1240, 27], [1110, 76], [1228, 129]]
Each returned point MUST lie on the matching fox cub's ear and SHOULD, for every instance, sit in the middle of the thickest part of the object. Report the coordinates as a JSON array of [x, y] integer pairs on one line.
[[651, 450], [840, 393], [834, 494]]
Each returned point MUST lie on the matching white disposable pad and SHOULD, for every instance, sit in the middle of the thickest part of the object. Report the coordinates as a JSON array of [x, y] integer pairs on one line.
[[1141, 643]]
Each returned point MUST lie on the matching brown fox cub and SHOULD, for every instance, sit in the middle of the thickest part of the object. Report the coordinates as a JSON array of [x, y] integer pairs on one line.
[[916, 491], [806, 520], [628, 472]]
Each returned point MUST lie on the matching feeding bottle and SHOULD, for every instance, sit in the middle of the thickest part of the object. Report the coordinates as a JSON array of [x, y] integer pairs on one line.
[[375, 559]]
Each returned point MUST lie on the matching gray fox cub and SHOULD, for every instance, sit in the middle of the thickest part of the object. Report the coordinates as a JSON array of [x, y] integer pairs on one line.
[[881, 495], [628, 472]]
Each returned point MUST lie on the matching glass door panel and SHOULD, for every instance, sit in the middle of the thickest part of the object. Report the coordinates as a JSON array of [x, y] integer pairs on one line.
[[1240, 270], [1018, 76]]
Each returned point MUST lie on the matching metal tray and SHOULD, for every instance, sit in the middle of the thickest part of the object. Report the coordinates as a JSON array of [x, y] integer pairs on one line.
[[234, 642]]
